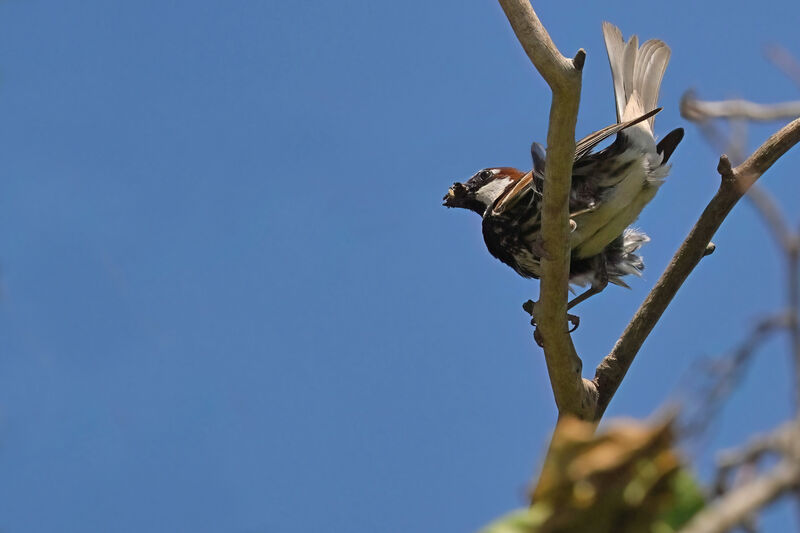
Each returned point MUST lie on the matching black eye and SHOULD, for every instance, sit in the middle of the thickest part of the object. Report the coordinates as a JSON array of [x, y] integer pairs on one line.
[[485, 174]]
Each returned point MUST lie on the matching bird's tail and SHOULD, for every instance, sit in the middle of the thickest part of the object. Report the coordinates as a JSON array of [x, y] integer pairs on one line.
[[637, 73], [621, 257]]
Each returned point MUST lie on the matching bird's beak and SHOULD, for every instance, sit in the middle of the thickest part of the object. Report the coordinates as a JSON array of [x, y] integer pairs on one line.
[[450, 199]]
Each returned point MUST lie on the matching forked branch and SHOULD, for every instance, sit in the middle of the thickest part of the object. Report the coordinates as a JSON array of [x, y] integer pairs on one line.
[[573, 394], [734, 184]]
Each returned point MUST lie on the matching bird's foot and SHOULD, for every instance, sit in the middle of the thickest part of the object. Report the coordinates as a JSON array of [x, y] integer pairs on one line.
[[572, 225], [575, 320], [530, 308]]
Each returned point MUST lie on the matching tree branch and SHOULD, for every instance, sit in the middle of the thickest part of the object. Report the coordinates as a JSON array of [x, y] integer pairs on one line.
[[739, 504], [793, 290], [735, 145], [735, 183], [697, 110], [780, 441], [780, 57], [726, 372], [573, 394], [768, 209], [787, 239]]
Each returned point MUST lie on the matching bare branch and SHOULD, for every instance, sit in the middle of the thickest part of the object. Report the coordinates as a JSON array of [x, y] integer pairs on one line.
[[734, 145], [779, 441], [793, 290], [572, 393], [726, 372], [780, 57], [735, 183], [558, 71], [768, 209], [719, 141], [765, 156], [789, 243], [698, 110], [740, 504]]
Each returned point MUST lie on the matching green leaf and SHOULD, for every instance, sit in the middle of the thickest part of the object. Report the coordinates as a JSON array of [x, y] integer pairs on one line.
[[522, 521], [688, 498]]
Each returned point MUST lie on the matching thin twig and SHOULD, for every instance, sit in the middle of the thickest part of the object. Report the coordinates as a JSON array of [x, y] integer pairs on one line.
[[777, 442], [718, 140], [793, 290], [780, 57], [573, 394], [734, 145], [695, 110], [740, 504], [735, 182], [727, 373], [768, 208], [765, 204]]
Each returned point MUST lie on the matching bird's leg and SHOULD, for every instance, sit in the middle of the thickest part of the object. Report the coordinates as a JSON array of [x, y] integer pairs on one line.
[[601, 282], [575, 320], [588, 209]]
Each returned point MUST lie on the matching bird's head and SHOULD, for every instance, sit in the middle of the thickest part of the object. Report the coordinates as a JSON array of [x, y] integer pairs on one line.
[[482, 189]]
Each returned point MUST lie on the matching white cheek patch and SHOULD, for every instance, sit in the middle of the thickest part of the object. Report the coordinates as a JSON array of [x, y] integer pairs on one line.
[[491, 191]]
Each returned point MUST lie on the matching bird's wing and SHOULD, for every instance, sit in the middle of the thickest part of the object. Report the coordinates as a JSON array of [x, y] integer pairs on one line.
[[538, 156], [526, 184], [585, 145], [513, 194]]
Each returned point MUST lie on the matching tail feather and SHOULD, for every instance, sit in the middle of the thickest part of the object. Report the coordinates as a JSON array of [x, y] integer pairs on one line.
[[621, 257], [615, 46], [636, 72]]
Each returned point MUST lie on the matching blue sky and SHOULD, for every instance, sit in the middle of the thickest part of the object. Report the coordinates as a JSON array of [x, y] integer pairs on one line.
[[231, 299]]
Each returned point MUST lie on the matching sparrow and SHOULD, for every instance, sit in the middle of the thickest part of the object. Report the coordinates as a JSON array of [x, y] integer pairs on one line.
[[610, 187]]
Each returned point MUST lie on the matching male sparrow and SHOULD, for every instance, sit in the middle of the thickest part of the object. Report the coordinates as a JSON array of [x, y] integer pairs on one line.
[[609, 187]]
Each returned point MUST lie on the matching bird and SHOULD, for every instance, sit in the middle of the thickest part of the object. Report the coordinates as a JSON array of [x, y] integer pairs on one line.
[[610, 187]]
